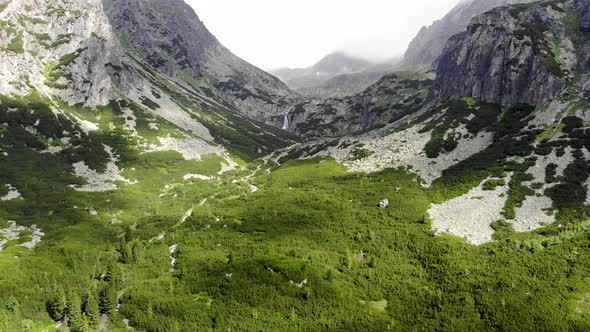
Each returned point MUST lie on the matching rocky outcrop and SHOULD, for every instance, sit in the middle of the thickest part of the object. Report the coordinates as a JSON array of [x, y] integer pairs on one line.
[[62, 48], [389, 99], [169, 36], [428, 45], [518, 54]]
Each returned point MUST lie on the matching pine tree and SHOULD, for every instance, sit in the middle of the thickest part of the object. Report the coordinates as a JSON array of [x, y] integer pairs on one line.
[[113, 276], [56, 305], [75, 320], [107, 300], [136, 251], [91, 309], [124, 251]]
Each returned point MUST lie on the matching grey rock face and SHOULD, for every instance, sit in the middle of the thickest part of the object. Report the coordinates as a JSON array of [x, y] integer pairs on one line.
[[428, 45], [519, 54], [170, 37], [389, 99]]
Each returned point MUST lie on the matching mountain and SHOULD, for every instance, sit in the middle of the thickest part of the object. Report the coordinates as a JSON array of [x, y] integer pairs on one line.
[[389, 99], [150, 180], [336, 75], [182, 47], [428, 45], [507, 107], [505, 57]]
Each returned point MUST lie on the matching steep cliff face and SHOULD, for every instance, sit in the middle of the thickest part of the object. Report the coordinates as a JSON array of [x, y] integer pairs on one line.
[[520, 54], [61, 48], [66, 56], [427, 46], [180, 45]]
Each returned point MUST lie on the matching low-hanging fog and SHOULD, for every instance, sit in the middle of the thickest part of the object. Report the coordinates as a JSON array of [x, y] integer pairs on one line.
[[273, 34]]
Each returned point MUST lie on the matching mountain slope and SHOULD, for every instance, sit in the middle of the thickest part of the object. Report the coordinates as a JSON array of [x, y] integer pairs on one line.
[[522, 54], [131, 197], [428, 45], [507, 111], [180, 46], [336, 75]]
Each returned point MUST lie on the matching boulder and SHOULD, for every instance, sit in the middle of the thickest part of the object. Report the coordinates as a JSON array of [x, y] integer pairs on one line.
[[384, 203]]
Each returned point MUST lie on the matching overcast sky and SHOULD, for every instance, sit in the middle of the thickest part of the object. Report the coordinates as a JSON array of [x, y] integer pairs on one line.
[[297, 33]]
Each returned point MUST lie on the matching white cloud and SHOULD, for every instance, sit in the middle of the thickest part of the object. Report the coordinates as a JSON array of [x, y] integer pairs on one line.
[[272, 34]]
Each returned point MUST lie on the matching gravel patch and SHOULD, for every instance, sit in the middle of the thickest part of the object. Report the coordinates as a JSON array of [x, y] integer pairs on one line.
[[14, 231], [549, 115], [533, 214], [35, 238], [130, 120], [228, 165], [170, 110], [87, 126], [406, 149], [12, 194], [190, 148], [186, 215], [99, 182], [172, 250], [469, 216], [298, 284], [198, 177]]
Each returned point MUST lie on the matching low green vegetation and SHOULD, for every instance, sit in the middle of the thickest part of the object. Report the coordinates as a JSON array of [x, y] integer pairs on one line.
[[241, 256], [16, 45], [310, 250]]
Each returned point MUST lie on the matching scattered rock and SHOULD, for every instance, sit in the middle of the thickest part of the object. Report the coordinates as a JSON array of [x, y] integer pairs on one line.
[[12, 194]]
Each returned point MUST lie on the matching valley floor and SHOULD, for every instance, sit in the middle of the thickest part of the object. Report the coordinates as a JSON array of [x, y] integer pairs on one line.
[[308, 250]]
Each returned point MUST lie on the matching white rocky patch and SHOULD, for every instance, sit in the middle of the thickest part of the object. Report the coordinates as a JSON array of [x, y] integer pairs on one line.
[[130, 120], [12, 194], [172, 250], [228, 165], [186, 215], [190, 148], [198, 177], [169, 110], [36, 236], [53, 149], [98, 182], [533, 214], [14, 231], [536, 211], [11, 233], [406, 148], [159, 237], [153, 126], [87, 126], [469, 216], [298, 284]]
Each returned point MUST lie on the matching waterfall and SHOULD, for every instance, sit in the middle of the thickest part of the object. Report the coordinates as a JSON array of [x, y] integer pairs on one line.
[[286, 122]]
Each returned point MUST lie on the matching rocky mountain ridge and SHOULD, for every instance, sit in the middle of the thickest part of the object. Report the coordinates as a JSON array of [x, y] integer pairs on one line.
[[427, 46], [520, 54], [334, 76], [138, 190], [181, 46]]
